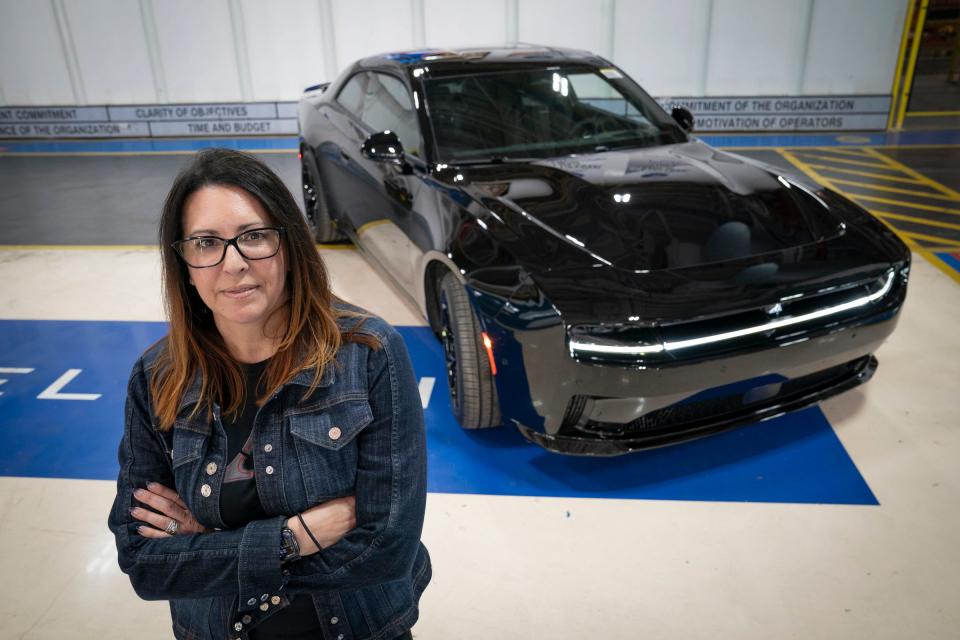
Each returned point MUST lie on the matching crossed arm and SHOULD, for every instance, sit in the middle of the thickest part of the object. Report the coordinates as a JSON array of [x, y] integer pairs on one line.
[[370, 541]]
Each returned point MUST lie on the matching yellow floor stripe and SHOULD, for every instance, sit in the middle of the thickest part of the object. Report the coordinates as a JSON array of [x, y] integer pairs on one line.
[[941, 249], [902, 203], [930, 182], [906, 239], [931, 114], [844, 151], [866, 174], [818, 177], [929, 238], [909, 192], [924, 221], [872, 165]]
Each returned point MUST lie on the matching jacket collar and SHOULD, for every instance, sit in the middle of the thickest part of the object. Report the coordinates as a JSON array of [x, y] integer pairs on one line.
[[303, 378]]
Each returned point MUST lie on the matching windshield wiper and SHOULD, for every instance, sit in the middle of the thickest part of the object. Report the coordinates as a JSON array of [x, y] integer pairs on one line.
[[495, 158]]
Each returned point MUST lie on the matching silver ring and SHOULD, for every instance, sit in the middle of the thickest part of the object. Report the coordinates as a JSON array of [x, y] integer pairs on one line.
[[172, 527]]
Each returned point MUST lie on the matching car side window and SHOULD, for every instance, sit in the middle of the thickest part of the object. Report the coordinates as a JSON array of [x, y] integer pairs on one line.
[[591, 89], [388, 105], [351, 96]]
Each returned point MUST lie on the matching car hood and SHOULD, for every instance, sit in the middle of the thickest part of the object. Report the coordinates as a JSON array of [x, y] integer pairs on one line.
[[671, 233], [657, 208]]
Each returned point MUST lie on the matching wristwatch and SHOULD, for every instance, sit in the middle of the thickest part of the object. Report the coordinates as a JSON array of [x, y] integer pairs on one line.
[[289, 548]]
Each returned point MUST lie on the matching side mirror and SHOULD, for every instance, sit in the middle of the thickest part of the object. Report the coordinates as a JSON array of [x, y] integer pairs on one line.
[[683, 117], [383, 147]]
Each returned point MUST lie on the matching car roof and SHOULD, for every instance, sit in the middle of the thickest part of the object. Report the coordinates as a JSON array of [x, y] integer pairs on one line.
[[467, 59]]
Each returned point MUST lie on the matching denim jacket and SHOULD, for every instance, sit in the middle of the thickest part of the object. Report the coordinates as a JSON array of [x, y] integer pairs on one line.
[[221, 584]]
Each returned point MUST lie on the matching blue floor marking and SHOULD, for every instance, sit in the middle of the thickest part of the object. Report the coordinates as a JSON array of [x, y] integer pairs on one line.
[[832, 139], [291, 143], [796, 458], [950, 259]]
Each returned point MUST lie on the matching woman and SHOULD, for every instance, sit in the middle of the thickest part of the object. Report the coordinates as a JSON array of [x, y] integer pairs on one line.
[[272, 468]]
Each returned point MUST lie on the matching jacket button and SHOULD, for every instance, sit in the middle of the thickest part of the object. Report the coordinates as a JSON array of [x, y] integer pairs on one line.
[[251, 602], [264, 606], [335, 433], [238, 627], [269, 471], [205, 491], [268, 448], [340, 637], [275, 600], [264, 597], [246, 619], [211, 468], [334, 620]]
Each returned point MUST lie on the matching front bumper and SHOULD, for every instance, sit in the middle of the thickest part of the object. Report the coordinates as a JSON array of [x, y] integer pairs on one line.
[[689, 421], [583, 407]]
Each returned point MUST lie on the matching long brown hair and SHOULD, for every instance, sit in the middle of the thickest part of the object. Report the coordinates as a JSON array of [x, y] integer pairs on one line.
[[194, 347]]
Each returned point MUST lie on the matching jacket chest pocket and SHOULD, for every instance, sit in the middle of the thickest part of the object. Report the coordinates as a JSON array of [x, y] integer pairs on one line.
[[326, 446]]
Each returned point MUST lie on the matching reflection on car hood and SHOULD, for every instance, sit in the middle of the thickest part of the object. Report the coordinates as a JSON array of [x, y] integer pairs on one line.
[[656, 208], [702, 233]]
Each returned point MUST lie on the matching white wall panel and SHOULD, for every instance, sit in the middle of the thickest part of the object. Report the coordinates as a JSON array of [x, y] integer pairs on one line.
[[196, 45], [756, 47], [662, 45], [370, 27], [33, 67], [566, 23], [111, 51], [853, 46], [285, 47], [678, 48], [465, 23]]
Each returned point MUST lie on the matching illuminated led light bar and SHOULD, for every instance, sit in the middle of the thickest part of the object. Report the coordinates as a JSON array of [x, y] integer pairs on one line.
[[643, 349], [591, 347]]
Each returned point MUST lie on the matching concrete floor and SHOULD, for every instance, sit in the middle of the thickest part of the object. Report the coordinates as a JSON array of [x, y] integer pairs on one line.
[[526, 565]]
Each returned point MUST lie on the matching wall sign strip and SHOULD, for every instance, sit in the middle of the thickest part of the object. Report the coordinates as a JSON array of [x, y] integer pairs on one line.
[[739, 113]]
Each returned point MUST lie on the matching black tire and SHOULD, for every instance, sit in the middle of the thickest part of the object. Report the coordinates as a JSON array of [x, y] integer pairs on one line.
[[473, 393], [315, 204]]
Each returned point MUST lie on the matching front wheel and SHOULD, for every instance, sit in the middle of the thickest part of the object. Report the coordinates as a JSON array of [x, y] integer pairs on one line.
[[315, 204], [473, 393]]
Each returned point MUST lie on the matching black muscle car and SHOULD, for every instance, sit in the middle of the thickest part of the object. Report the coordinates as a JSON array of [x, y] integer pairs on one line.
[[598, 277]]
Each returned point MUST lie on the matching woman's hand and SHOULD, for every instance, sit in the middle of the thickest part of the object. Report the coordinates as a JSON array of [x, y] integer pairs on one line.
[[170, 509], [328, 522]]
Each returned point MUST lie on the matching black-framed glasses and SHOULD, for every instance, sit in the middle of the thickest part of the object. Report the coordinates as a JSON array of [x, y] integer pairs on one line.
[[208, 251]]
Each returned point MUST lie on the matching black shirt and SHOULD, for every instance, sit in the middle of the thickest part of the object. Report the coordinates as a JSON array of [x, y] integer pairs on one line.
[[240, 504]]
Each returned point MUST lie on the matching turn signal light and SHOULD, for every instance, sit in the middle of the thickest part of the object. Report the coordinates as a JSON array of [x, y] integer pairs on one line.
[[488, 345]]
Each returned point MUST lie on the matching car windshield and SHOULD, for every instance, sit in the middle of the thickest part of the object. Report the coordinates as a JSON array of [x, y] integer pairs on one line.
[[542, 113]]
